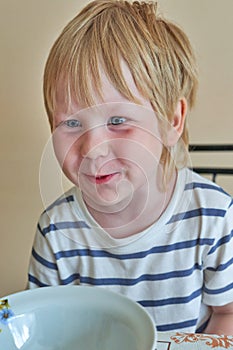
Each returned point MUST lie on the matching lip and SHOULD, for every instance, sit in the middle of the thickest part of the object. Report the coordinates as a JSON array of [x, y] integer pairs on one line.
[[102, 178]]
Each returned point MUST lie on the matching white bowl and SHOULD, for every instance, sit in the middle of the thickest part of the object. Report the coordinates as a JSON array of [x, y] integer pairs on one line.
[[75, 318]]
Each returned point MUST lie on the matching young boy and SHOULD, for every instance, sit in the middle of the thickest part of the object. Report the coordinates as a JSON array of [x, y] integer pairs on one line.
[[118, 84]]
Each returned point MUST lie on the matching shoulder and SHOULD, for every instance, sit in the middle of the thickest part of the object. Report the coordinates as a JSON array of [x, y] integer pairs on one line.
[[64, 199], [206, 193], [58, 210], [63, 217], [200, 202]]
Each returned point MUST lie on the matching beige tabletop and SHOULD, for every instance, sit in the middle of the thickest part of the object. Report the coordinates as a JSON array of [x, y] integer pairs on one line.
[[185, 341]]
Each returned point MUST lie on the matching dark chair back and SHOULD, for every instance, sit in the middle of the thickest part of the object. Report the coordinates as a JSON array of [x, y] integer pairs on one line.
[[214, 171]]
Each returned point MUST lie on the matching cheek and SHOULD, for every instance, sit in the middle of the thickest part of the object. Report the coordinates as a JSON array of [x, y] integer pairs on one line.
[[155, 148], [140, 157], [142, 147], [65, 150]]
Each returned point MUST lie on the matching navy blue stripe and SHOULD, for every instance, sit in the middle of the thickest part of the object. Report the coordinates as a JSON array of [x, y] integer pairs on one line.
[[220, 242], [202, 327], [44, 262], [138, 255], [197, 212], [40, 229], [60, 201], [36, 281], [201, 185], [221, 267], [131, 281], [176, 326], [71, 279], [219, 290], [171, 301], [64, 225]]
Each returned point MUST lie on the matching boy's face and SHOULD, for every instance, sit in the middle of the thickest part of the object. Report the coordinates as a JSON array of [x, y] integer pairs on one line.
[[112, 150]]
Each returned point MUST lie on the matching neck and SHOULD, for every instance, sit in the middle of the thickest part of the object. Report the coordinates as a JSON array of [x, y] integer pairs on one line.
[[142, 211]]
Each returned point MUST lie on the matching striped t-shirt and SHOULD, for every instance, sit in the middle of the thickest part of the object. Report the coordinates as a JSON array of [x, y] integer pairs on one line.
[[176, 268]]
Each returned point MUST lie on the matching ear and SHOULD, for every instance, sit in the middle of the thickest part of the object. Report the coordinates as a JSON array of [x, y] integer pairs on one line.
[[177, 122]]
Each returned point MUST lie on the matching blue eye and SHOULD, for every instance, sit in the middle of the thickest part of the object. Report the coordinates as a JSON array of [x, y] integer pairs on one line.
[[117, 120], [72, 123]]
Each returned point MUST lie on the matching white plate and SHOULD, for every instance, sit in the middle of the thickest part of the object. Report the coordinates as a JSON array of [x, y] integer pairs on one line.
[[76, 318]]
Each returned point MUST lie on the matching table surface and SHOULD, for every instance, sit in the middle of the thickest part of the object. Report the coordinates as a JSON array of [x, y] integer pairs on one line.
[[185, 341]]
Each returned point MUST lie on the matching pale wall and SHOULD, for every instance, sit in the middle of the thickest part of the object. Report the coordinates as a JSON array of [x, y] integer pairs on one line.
[[28, 29]]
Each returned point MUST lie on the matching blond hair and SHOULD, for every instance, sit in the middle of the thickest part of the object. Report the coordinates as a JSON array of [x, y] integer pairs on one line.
[[158, 54]]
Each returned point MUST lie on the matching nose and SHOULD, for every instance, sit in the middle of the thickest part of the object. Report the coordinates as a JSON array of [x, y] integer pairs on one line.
[[94, 143]]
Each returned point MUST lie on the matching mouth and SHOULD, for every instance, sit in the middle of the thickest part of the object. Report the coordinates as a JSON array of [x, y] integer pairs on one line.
[[102, 179]]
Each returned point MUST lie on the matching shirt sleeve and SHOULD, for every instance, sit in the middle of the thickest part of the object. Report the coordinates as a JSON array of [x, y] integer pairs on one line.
[[218, 264], [43, 270]]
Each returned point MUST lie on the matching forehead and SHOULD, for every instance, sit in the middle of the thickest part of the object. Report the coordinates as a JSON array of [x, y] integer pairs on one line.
[[108, 91]]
